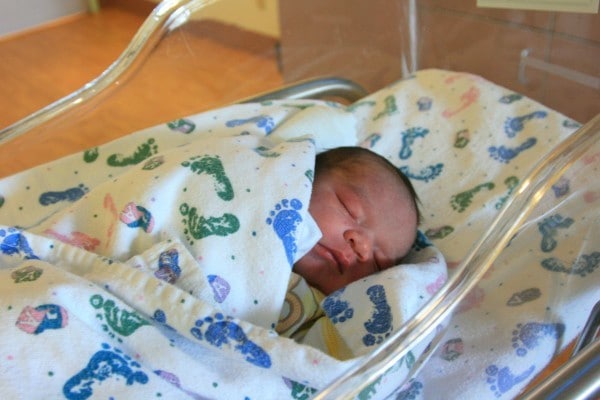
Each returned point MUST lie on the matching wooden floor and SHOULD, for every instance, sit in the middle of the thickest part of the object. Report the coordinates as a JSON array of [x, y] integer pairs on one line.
[[202, 66]]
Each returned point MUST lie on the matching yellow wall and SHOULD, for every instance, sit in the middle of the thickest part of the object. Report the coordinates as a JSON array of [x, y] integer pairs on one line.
[[261, 16]]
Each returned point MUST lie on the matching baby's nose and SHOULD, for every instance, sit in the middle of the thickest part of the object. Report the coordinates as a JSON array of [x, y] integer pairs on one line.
[[360, 242]]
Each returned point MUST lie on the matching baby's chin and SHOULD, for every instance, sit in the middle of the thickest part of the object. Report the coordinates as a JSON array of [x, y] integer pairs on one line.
[[313, 269]]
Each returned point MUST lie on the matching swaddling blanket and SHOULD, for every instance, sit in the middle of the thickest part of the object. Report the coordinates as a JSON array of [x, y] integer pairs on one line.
[[161, 269], [225, 200], [203, 217]]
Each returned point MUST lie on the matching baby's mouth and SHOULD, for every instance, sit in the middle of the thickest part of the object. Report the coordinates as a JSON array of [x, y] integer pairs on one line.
[[331, 256]]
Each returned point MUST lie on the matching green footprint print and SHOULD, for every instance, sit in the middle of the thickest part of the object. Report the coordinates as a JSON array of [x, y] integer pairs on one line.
[[198, 226], [461, 201], [511, 183], [310, 175], [212, 166], [143, 151], [90, 155], [390, 107], [266, 152], [462, 139], [121, 322]]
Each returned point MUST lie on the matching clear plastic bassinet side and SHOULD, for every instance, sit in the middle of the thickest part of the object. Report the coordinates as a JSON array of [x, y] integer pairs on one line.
[[566, 159], [158, 63], [175, 65]]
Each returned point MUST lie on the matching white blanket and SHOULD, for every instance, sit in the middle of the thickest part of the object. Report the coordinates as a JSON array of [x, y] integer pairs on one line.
[[82, 323], [158, 265], [467, 143]]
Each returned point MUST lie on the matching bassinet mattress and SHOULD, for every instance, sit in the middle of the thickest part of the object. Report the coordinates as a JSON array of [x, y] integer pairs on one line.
[[114, 309]]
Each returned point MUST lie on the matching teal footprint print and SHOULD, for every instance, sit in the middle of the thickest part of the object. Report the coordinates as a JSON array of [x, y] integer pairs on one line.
[[510, 98], [549, 230], [285, 218], [371, 140], [212, 166], [142, 152], [426, 174], [198, 227], [583, 265], [408, 139]]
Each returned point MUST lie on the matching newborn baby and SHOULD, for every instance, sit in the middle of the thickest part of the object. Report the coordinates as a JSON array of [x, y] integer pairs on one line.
[[368, 215]]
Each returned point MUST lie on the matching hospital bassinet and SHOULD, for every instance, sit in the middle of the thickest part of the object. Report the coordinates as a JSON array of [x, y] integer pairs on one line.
[[509, 186]]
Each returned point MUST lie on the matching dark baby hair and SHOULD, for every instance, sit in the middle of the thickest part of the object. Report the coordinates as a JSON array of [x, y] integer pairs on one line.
[[341, 157]]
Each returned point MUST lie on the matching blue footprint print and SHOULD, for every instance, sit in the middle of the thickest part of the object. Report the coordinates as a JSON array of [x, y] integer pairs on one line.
[[501, 380], [514, 125], [526, 337], [104, 364], [380, 324], [221, 330], [424, 103], [561, 187], [168, 266], [41, 318], [408, 139], [13, 242], [261, 121], [71, 195], [506, 154], [284, 219], [337, 310]]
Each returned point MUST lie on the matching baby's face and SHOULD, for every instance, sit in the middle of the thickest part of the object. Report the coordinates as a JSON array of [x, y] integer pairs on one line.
[[368, 221]]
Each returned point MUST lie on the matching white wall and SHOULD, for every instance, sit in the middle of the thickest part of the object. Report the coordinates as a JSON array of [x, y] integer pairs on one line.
[[16, 16]]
